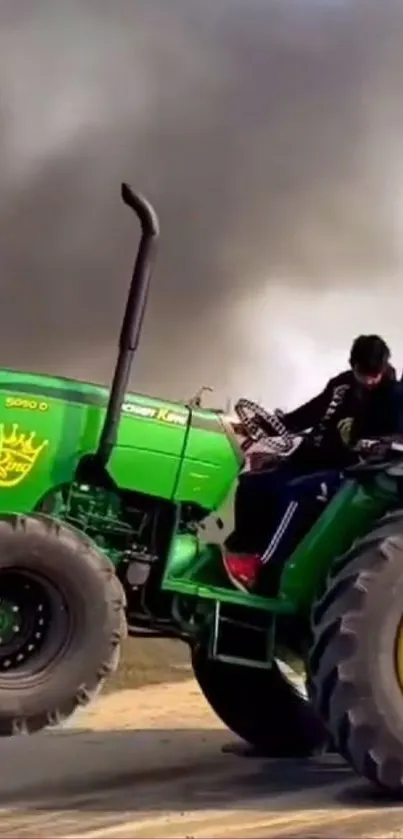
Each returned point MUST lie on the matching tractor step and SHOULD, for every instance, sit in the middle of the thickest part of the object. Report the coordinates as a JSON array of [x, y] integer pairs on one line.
[[254, 641]]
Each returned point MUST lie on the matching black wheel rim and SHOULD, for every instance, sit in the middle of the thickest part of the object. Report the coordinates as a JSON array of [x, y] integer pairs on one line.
[[31, 611]]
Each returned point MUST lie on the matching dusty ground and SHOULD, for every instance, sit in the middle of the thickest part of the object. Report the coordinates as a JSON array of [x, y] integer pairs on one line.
[[149, 662], [149, 763]]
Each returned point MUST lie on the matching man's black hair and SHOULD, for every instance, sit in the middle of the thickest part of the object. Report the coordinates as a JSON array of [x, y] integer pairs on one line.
[[369, 355]]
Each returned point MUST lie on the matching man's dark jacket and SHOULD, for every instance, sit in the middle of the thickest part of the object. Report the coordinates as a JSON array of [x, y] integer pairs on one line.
[[358, 412]]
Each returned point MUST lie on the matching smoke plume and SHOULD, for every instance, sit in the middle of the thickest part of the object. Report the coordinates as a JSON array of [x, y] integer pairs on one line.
[[266, 132]]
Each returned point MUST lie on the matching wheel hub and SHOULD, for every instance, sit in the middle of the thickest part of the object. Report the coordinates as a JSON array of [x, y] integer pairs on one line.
[[25, 616], [9, 621]]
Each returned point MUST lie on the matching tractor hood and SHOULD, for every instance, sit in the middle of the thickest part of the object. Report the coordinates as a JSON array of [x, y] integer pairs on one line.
[[164, 448], [81, 393]]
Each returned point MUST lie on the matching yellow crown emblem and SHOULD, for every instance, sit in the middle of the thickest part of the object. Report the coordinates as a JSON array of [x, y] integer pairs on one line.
[[18, 453]]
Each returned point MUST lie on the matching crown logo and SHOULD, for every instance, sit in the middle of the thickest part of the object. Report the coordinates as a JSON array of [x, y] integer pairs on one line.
[[19, 452]]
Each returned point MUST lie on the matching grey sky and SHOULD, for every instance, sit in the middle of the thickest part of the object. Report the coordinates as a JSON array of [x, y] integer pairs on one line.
[[268, 135]]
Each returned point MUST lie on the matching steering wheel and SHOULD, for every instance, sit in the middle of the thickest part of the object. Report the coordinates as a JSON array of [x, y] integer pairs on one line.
[[253, 417]]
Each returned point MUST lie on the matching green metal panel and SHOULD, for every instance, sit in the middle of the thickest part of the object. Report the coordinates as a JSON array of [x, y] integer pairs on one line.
[[209, 468], [348, 516], [163, 448]]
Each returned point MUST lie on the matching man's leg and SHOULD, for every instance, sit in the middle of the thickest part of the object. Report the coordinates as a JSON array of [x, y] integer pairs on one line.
[[273, 511], [258, 504]]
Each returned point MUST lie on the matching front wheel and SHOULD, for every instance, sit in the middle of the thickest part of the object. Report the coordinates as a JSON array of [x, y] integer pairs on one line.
[[260, 706], [61, 622], [356, 661]]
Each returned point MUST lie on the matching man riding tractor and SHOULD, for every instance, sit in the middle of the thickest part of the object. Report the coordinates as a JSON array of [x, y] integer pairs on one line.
[[274, 506]]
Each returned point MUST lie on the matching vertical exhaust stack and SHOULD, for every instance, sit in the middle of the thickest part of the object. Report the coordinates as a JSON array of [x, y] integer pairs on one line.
[[133, 317]]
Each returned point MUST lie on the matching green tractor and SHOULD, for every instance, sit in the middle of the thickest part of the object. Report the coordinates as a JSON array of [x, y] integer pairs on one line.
[[103, 499]]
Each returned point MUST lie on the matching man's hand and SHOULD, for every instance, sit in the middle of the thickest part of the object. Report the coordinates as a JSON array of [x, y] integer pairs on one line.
[[377, 449]]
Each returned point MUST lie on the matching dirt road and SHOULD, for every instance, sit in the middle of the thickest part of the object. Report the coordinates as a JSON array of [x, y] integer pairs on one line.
[[149, 763]]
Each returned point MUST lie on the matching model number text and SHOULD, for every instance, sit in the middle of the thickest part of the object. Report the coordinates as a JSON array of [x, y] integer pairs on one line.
[[26, 404]]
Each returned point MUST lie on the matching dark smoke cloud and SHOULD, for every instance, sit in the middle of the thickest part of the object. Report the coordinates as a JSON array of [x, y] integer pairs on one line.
[[266, 132]]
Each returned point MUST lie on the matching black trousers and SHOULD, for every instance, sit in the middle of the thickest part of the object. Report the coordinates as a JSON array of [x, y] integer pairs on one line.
[[256, 508], [262, 498]]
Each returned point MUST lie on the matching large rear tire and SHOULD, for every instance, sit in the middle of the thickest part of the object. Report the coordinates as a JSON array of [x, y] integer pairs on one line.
[[356, 661], [260, 706], [61, 622]]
